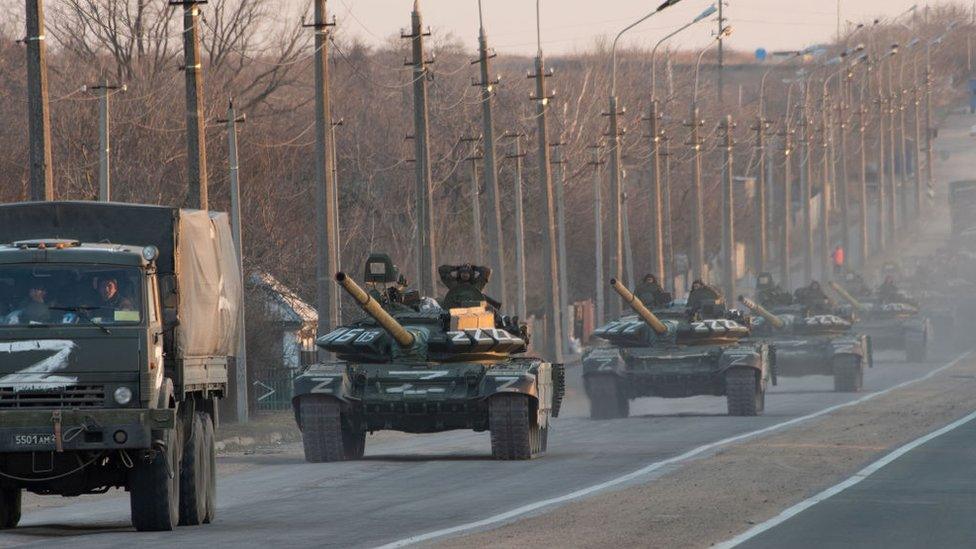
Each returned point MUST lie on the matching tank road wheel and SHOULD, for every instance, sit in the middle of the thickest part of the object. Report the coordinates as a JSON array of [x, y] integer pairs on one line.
[[154, 493], [323, 434], [210, 455], [10, 501], [848, 374], [515, 433], [742, 393], [607, 400]]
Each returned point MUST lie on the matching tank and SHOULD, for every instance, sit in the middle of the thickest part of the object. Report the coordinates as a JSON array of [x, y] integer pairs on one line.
[[671, 353], [891, 326], [411, 366], [808, 345]]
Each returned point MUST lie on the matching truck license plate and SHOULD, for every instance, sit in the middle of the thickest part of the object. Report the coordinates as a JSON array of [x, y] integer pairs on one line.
[[34, 440]]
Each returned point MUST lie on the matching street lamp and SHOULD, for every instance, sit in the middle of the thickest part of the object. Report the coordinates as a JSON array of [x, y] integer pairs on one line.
[[616, 209], [661, 193]]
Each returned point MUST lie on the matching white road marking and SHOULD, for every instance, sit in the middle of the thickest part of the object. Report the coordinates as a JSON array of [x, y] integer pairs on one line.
[[696, 452], [838, 488]]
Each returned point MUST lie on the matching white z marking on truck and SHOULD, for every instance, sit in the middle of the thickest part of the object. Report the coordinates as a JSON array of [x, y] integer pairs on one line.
[[40, 375]]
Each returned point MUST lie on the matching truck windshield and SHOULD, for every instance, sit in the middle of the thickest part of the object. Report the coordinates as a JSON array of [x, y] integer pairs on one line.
[[92, 295]]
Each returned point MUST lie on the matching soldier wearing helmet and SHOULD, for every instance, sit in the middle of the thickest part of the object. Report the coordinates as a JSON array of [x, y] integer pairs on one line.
[[465, 284]]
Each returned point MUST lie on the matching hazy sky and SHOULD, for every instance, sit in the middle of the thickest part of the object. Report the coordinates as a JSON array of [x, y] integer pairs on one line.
[[575, 24]]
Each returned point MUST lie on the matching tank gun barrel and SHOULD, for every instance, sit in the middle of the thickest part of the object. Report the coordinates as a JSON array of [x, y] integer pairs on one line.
[[846, 295], [774, 320], [375, 310], [638, 306]]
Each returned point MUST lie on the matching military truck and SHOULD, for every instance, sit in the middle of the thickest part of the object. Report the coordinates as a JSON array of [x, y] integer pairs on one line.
[[415, 367], [118, 324], [807, 345], [895, 326], [680, 355]]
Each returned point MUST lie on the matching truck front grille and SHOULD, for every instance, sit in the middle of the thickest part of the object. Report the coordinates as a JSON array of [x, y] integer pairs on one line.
[[78, 396]]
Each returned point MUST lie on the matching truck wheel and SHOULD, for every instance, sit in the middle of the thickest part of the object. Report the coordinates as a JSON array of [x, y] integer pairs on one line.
[[742, 393], [515, 435], [154, 487], [323, 434], [607, 400], [210, 453], [848, 374], [10, 502], [193, 484]]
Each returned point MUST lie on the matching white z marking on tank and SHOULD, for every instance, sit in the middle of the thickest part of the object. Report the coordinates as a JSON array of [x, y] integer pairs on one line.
[[39, 376]]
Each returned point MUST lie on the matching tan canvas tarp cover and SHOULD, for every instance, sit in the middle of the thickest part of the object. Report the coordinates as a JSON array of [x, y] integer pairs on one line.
[[210, 285], [195, 246]]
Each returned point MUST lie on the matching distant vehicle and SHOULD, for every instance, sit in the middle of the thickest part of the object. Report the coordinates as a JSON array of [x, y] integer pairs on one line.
[[118, 327], [415, 367], [898, 326], [972, 131], [808, 345], [678, 354]]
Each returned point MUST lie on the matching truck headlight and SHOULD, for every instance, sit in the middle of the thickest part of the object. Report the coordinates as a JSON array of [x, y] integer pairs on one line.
[[123, 395]]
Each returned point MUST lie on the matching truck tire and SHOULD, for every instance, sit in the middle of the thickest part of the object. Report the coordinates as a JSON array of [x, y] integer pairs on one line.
[[193, 484], [515, 433], [324, 435], [848, 374], [742, 393], [607, 400], [154, 493], [210, 452], [10, 505]]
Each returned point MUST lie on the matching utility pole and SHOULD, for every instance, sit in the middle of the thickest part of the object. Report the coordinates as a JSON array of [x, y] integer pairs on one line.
[[928, 117], [917, 148], [542, 99], [617, 266], [657, 221], [697, 212], [862, 206], [825, 191], [669, 266], [521, 306], [326, 197], [104, 91], [882, 192], [760, 197], [894, 185], [728, 210], [196, 143], [38, 105], [476, 234], [806, 181], [598, 224], [426, 259], [721, 56], [240, 364], [497, 284], [785, 257], [560, 183], [843, 182]]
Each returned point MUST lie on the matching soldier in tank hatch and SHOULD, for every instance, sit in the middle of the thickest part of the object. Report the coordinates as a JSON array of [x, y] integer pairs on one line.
[[650, 292], [465, 284], [769, 293], [813, 298]]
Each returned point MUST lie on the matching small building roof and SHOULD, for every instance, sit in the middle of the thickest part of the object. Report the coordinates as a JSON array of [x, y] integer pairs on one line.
[[283, 302]]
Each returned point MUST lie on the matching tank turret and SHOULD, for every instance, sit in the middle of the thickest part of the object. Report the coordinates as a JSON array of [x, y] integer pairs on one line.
[[638, 306], [373, 308], [847, 296], [773, 320]]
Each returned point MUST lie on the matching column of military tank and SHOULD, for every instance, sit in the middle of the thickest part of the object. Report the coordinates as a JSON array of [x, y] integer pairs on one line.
[[420, 365], [680, 348]]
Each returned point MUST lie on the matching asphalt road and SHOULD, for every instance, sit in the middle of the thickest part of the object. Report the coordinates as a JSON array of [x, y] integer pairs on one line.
[[410, 485], [925, 498]]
